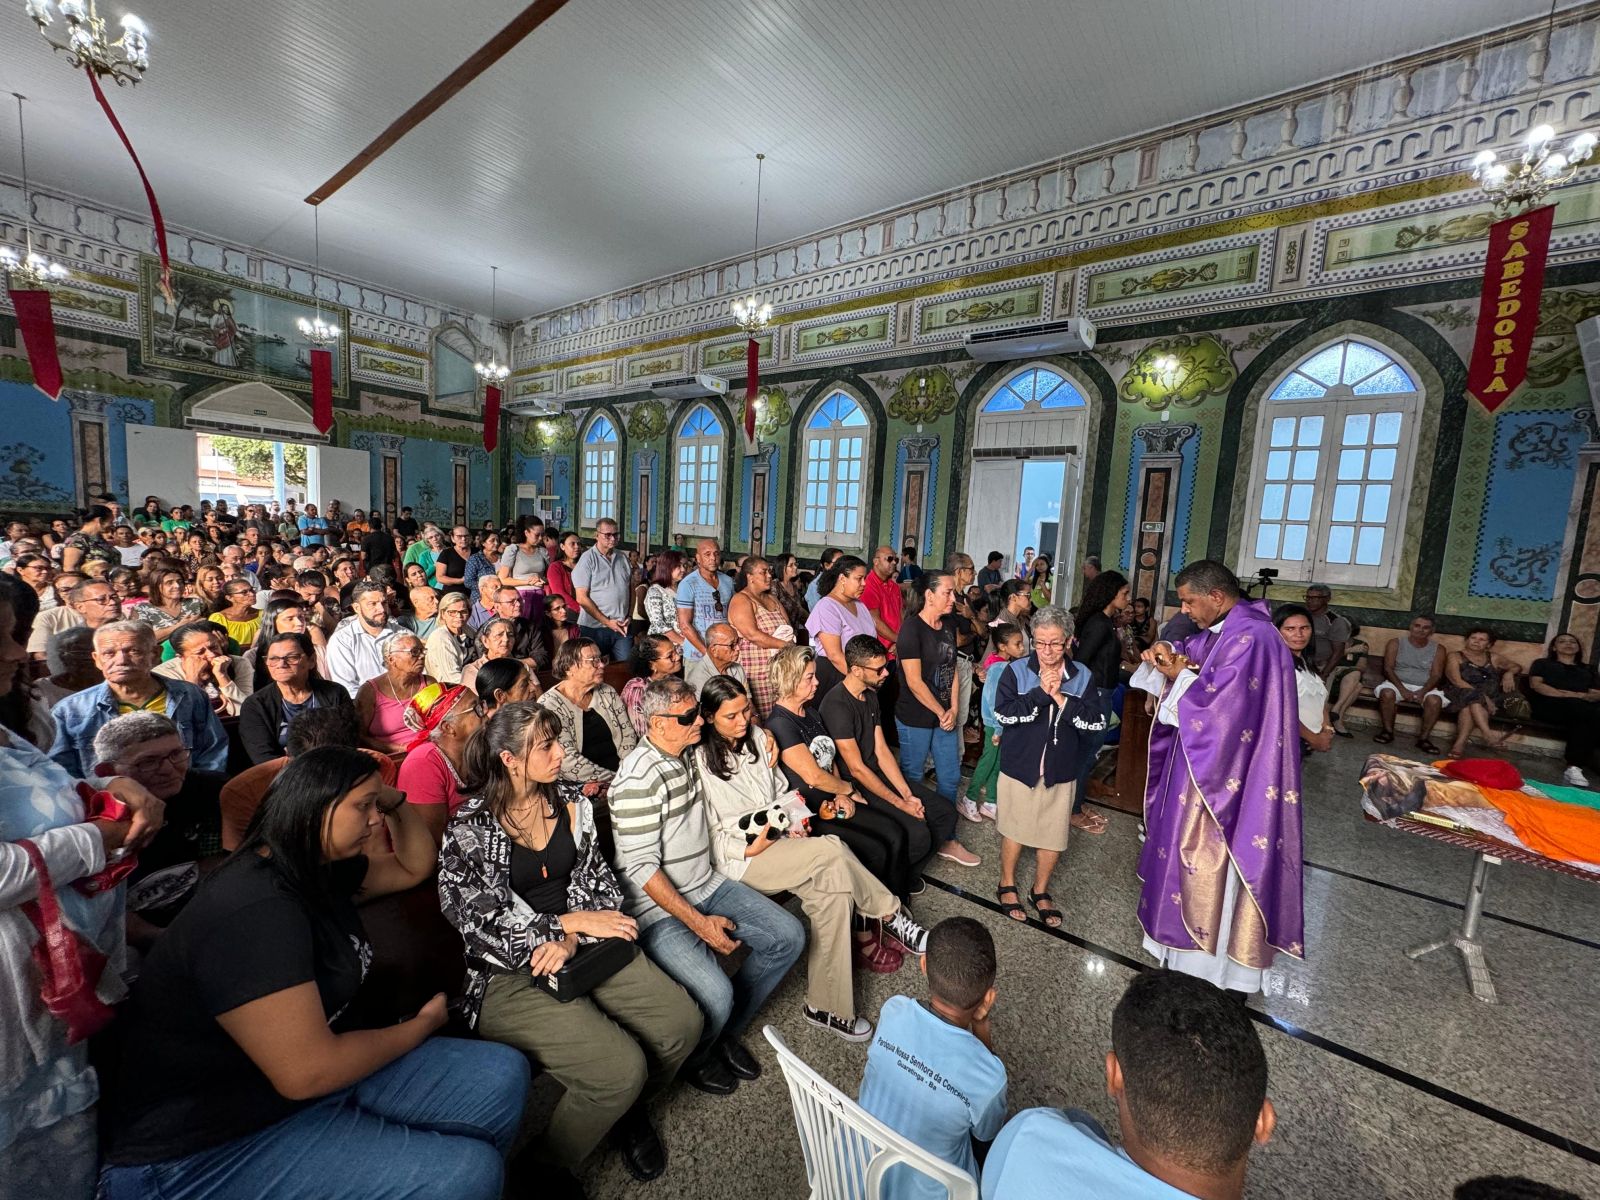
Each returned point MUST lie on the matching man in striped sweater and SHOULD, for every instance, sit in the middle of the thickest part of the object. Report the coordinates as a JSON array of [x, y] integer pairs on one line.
[[688, 913]]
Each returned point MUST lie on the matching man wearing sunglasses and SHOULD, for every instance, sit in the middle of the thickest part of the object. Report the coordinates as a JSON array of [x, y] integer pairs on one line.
[[603, 583], [703, 599], [688, 912], [90, 602]]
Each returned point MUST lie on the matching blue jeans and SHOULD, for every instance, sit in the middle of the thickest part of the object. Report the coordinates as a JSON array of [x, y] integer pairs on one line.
[[448, 1111], [945, 744], [616, 646], [775, 939]]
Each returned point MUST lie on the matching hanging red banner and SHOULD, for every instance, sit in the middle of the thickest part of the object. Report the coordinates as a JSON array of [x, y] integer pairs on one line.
[[752, 384], [36, 322], [1508, 310], [322, 389], [491, 417], [149, 192]]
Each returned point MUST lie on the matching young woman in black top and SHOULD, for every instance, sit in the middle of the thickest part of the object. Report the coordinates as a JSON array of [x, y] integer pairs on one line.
[[237, 1067], [1100, 649], [522, 876], [1566, 694]]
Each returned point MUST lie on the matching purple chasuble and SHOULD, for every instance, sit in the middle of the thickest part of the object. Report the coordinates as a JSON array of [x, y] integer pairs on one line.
[[1236, 751]]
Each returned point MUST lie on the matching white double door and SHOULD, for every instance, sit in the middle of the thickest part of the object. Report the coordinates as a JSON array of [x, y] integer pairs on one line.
[[1015, 503]]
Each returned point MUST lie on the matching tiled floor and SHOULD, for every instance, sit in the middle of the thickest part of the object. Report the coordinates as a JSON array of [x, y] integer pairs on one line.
[[1389, 1078]]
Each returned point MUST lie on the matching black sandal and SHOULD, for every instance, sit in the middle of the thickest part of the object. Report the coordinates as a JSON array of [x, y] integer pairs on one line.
[[1383, 738], [1013, 909], [1050, 916]]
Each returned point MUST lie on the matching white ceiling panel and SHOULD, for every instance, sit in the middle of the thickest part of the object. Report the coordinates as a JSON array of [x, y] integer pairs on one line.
[[617, 143]]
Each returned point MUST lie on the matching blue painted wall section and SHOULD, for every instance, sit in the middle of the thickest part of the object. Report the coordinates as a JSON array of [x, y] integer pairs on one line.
[[36, 472], [1525, 509]]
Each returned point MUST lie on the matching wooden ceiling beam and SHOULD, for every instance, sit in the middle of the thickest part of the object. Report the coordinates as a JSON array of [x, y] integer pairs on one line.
[[481, 60]]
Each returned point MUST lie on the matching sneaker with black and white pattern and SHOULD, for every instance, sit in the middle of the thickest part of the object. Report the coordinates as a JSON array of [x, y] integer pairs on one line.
[[905, 930], [851, 1029]]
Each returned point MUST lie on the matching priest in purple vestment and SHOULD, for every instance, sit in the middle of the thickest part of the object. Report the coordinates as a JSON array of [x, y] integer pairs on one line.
[[1222, 860]]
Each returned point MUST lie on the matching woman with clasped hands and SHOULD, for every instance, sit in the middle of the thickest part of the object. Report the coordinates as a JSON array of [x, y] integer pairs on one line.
[[237, 1067], [522, 876]]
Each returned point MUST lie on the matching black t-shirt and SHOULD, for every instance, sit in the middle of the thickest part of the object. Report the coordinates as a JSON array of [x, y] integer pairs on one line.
[[406, 526], [378, 548], [1100, 649], [184, 1084], [194, 825], [806, 730], [935, 652], [454, 565], [849, 719], [599, 747], [1569, 677]]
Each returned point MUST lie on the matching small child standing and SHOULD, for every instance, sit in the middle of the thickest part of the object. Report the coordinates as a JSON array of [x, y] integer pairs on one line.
[[978, 804], [932, 1074]]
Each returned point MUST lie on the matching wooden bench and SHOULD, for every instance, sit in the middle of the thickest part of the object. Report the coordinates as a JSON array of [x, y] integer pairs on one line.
[[1372, 676]]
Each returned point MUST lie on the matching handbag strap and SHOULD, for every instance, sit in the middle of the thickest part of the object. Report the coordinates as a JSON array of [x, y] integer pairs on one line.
[[47, 905], [55, 939]]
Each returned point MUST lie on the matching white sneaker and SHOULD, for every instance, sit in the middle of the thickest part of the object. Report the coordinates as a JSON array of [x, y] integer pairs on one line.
[[1574, 777], [904, 929], [851, 1029], [969, 810], [989, 812]]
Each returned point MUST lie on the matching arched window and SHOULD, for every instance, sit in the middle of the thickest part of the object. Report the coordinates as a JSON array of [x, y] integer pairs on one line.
[[1037, 389], [835, 454], [700, 443], [1331, 475], [599, 471]]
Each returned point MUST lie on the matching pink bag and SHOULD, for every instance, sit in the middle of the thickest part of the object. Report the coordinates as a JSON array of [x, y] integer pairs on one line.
[[69, 966]]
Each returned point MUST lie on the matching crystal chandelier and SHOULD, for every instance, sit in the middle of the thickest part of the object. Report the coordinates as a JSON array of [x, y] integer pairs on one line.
[[318, 332], [750, 312], [1530, 174], [87, 45], [1523, 182], [492, 372], [28, 271]]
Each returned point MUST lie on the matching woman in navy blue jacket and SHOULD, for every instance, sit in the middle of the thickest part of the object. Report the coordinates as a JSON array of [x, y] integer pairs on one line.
[[1049, 711]]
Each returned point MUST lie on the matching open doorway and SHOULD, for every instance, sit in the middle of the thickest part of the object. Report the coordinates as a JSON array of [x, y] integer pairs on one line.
[[245, 470]]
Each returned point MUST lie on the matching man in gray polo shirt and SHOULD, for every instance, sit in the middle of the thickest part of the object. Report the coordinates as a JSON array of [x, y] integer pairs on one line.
[[689, 913], [603, 584]]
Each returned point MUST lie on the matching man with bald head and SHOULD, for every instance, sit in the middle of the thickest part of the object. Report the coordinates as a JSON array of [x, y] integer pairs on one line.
[[703, 599], [882, 597], [721, 658]]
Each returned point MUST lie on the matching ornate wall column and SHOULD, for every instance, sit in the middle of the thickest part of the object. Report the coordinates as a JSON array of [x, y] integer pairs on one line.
[[1577, 603], [1156, 507], [91, 467], [916, 476]]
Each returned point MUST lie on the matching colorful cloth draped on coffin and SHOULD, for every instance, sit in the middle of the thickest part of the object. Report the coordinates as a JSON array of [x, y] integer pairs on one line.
[[1223, 792]]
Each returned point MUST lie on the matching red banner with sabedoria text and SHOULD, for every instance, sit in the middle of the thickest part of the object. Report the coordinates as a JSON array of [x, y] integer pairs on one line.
[[1508, 312]]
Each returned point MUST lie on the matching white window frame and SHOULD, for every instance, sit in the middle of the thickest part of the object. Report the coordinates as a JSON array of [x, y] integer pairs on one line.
[[832, 438], [597, 486], [693, 453], [1338, 403]]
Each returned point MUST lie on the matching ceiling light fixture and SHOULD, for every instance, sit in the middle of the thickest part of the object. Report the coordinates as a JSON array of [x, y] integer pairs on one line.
[[491, 371], [28, 271], [751, 312], [1538, 168], [318, 332], [87, 45]]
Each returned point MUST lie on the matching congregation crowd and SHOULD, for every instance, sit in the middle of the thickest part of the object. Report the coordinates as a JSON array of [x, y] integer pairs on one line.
[[224, 734]]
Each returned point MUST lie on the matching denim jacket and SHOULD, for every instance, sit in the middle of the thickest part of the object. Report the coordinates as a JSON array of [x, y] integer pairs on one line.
[[499, 928], [80, 716]]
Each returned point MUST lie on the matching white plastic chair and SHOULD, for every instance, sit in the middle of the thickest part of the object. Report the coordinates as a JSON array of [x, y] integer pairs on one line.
[[847, 1150]]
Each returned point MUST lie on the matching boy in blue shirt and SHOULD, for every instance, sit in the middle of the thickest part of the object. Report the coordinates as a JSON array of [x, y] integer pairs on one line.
[[1189, 1079], [931, 1070]]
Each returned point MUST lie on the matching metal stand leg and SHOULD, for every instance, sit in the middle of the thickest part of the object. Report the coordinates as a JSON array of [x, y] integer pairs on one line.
[[1465, 939]]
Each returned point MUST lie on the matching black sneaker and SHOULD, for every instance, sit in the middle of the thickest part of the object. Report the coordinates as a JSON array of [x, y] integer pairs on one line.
[[904, 930], [851, 1029]]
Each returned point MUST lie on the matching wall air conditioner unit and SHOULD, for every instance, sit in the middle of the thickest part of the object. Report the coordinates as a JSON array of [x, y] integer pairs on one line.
[[690, 387], [537, 406], [1032, 341]]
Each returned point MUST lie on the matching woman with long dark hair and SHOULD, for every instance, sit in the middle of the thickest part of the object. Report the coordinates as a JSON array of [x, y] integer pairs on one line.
[[236, 1065], [786, 587], [1566, 694], [523, 877], [1316, 726], [1099, 648], [756, 839], [837, 617]]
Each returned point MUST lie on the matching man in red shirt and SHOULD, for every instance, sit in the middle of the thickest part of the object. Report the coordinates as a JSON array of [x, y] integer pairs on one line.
[[882, 597]]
